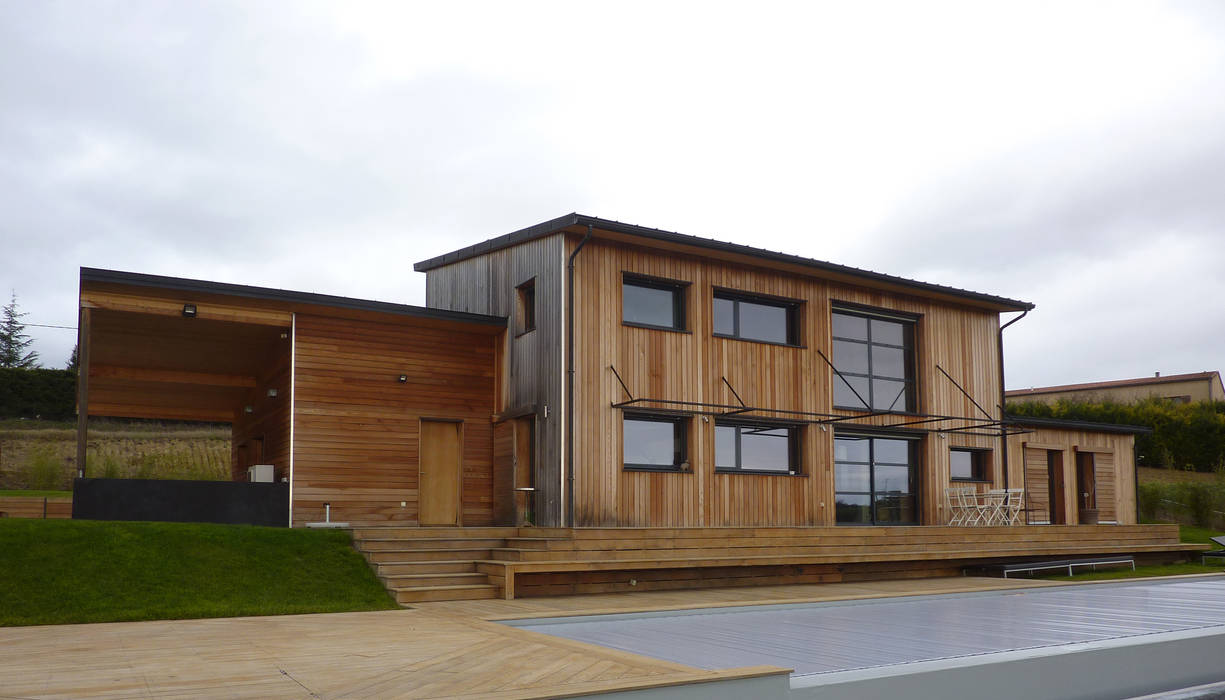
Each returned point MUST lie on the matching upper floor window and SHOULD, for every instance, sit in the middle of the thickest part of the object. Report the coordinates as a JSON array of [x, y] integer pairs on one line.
[[655, 442], [527, 306], [968, 464], [653, 303], [757, 447], [748, 317], [874, 355]]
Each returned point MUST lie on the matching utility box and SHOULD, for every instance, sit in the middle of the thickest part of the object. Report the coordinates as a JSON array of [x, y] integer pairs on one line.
[[260, 473]]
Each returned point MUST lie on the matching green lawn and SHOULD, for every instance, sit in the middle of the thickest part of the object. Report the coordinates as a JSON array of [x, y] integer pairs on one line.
[[62, 571], [34, 494], [1186, 533]]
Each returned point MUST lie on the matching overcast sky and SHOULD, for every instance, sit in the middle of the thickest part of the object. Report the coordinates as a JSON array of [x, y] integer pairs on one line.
[[1069, 154]]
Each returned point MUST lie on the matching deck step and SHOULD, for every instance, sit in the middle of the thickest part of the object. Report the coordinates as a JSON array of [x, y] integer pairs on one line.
[[400, 581], [414, 554], [397, 543], [422, 594], [408, 568]]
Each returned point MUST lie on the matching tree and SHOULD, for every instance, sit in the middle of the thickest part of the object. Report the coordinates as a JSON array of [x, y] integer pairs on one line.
[[13, 339], [74, 360]]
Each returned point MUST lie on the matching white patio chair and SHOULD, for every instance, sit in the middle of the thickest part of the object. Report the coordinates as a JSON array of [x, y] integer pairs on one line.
[[957, 506], [1016, 506], [994, 508], [977, 510]]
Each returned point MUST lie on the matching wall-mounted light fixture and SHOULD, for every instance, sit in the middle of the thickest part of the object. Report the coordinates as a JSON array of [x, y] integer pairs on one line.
[[189, 310], [403, 379], [248, 409], [272, 393]]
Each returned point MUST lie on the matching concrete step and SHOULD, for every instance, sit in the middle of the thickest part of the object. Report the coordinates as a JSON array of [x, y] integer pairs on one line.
[[400, 568], [414, 554], [401, 581], [395, 543], [422, 594]]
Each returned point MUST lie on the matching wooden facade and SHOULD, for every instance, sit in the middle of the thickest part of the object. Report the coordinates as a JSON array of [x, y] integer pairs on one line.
[[332, 392], [456, 414], [1056, 487], [955, 349]]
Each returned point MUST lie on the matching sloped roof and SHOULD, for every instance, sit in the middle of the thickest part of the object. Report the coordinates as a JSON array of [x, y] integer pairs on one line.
[[569, 221], [1091, 386]]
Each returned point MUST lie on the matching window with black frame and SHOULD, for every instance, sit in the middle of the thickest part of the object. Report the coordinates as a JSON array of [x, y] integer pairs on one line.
[[875, 359], [966, 464], [655, 442], [767, 448], [652, 303], [875, 480], [762, 319]]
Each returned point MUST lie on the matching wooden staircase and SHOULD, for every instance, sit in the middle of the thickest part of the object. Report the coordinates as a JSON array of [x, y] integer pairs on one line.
[[420, 564]]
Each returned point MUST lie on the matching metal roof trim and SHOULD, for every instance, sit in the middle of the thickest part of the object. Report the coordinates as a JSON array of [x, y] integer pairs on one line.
[[92, 274]]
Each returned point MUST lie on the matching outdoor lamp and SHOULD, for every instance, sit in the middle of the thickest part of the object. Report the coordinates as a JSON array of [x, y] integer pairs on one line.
[[189, 310]]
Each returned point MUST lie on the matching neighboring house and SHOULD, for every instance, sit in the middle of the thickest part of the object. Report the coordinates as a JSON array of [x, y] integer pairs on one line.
[[1178, 388], [713, 385]]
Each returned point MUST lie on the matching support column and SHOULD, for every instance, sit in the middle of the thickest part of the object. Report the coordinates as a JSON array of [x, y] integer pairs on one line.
[[82, 388]]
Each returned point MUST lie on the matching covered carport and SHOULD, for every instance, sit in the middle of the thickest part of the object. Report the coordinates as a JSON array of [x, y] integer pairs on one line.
[[152, 351]]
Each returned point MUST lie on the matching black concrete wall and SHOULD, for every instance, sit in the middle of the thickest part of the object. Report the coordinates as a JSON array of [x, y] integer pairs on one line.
[[238, 503]]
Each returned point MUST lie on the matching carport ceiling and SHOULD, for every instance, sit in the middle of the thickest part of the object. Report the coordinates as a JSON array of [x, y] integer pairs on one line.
[[157, 366]]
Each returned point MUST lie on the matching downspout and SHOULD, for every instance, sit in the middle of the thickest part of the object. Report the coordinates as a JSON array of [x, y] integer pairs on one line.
[[570, 378], [1003, 415]]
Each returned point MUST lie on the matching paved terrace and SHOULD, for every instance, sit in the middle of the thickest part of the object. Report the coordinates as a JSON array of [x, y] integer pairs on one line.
[[432, 651]]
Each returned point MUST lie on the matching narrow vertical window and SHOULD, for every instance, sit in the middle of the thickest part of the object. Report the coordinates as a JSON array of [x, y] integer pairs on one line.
[[527, 306]]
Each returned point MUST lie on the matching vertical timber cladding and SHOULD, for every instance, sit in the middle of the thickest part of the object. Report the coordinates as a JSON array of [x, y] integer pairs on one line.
[[357, 428], [690, 366], [533, 361], [1113, 460]]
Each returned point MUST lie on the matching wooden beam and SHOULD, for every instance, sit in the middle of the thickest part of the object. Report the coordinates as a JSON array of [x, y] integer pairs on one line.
[[117, 410], [141, 374], [83, 326], [174, 307]]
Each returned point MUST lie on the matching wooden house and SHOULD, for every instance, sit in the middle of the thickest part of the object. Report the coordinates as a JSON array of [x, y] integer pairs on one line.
[[738, 409], [716, 384]]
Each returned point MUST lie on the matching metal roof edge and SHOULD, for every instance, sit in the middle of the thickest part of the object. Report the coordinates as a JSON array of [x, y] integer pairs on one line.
[[1036, 422], [138, 279], [556, 225]]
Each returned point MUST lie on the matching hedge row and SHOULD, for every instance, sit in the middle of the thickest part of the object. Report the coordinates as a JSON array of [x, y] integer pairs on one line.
[[1188, 436], [49, 394], [1202, 505]]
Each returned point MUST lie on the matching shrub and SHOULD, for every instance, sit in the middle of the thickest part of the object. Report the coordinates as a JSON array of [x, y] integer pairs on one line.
[[43, 471]]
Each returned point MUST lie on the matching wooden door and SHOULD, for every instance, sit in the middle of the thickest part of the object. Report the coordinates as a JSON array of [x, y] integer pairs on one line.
[[439, 470], [525, 447], [1086, 481], [1055, 486]]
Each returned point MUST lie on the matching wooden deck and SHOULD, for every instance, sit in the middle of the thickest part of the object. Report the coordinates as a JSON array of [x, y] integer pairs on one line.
[[433, 564], [436, 650]]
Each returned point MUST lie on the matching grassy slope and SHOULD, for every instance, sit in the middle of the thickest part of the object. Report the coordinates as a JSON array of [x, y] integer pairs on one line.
[[1186, 533], [23, 493], [61, 571]]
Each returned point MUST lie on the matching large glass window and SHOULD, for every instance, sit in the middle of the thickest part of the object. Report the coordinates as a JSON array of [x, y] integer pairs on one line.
[[655, 442], [653, 303], [875, 480], [755, 318], [875, 358], [757, 447]]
